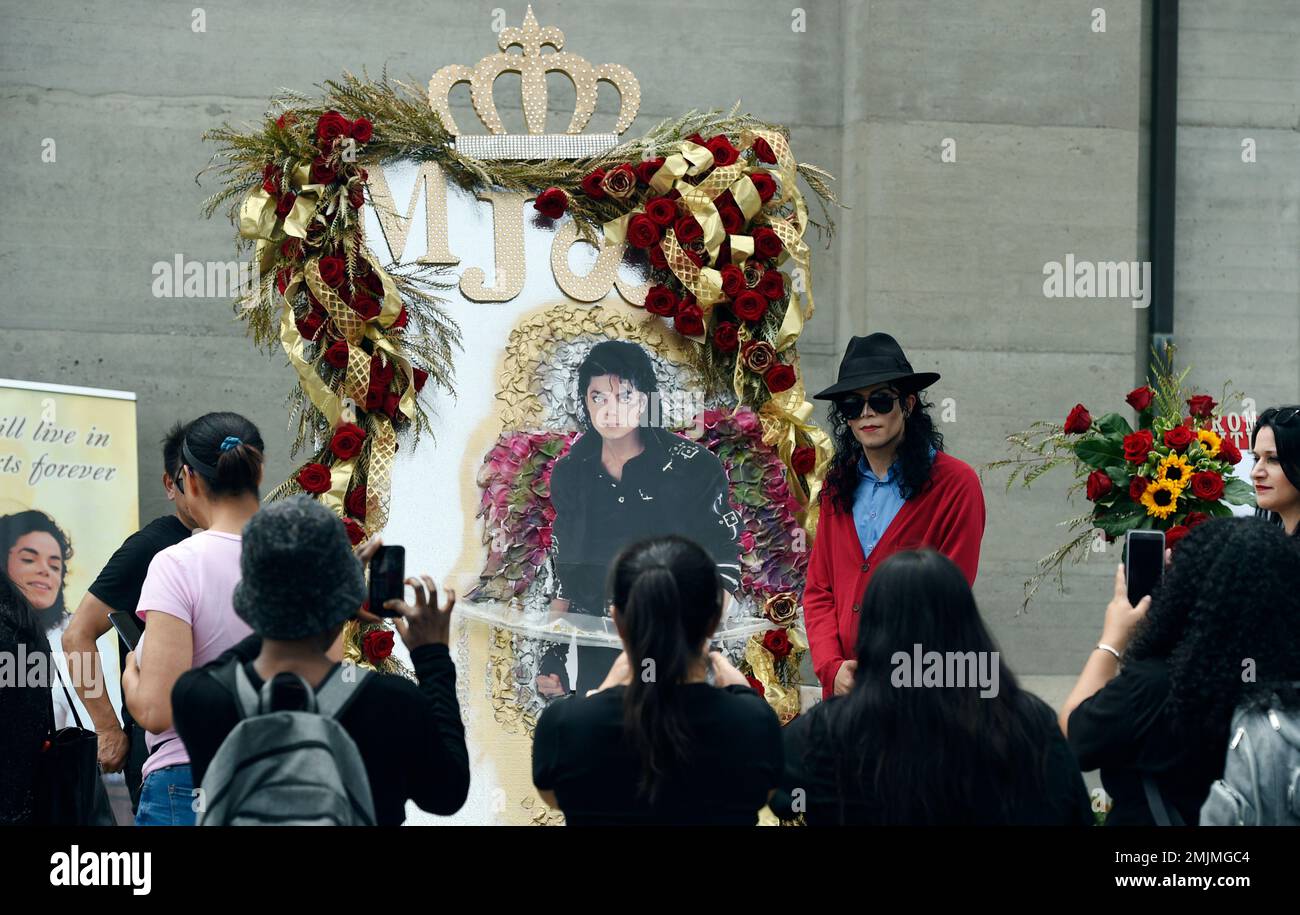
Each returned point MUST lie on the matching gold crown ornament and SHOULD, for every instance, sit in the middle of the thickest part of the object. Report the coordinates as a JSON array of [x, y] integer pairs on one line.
[[533, 65]]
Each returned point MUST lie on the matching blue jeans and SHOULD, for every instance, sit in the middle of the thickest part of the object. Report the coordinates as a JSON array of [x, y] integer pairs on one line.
[[167, 798]]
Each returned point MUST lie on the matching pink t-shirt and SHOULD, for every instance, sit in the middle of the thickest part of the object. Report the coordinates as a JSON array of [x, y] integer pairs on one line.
[[193, 581]]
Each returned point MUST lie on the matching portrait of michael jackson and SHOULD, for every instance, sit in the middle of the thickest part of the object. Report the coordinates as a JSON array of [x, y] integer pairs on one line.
[[624, 479]]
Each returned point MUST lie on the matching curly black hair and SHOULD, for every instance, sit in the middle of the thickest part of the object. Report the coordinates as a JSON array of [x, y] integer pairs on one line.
[[1229, 605], [919, 434]]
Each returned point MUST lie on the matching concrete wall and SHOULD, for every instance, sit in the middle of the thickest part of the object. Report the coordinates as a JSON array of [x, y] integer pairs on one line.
[[1237, 238], [1046, 114]]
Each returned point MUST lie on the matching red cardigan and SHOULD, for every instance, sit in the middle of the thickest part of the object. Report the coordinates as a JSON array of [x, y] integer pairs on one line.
[[948, 516]]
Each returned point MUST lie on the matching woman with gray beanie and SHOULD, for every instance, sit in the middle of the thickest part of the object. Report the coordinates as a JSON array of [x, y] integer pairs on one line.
[[300, 584]]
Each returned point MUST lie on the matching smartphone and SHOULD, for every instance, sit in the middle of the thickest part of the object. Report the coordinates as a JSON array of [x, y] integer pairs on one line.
[[1144, 563], [127, 626], [387, 577]]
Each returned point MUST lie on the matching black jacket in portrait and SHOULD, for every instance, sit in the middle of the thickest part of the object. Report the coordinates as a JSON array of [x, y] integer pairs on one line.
[[674, 486]]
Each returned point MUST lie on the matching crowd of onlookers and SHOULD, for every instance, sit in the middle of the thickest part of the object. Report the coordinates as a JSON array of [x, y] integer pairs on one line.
[[238, 708]]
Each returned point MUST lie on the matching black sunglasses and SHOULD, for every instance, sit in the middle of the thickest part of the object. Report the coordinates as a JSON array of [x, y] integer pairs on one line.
[[881, 402], [1280, 417]]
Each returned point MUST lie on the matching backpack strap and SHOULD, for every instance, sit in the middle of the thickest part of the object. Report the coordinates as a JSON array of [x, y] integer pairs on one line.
[[337, 693], [265, 699], [234, 680], [1163, 815]]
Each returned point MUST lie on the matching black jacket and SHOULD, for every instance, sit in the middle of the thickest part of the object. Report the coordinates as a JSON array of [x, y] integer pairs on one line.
[[673, 487]]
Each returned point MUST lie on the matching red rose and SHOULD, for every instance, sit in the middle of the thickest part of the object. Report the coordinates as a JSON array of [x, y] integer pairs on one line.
[[357, 197], [374, 400], [1179, 437], [1229, 452], [355, 503], [284, 205], [646, 170], [661, 210], [723, 152], [321, 172], [777, 641], [282, 279], [764, 184], [314, 478], [391, 403], [657, 258], [1195, 518], [733, 280], [365, 306], [725, 337], [696, 139], [420, 377], [763, 152], [1140, 398], [779, 377], [1136, 487], [284, 120], [337, 355], [661, 300], [1137, 446], [331, 126], [1207, 485], [642, 232], [310, 324], [756, 685], [689, 321], [749, 305], [355, 532], [766, 242], [1201, 406], [694, 256], [381, 375], [347, 441], [772, 285], [1079, 420], [332, 271], [591, 184], [1174, 534], [733, 221], [1099, 485], [688, 230], [362, 130], [270, 187], [551, 203], [804, 459], [378, 645]]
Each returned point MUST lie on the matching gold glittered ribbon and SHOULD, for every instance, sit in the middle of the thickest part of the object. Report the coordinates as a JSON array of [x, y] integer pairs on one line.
[[783, 698]]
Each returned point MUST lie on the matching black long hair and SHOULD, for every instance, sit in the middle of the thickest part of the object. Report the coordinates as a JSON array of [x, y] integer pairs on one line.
[[19, 524], [1231, 596], [669, 601], [932, 755], [919, 435], [227, 451], [1287, 436], [626, 360]]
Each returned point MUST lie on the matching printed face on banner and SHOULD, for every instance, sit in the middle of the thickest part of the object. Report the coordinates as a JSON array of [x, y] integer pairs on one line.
[[563, 435]]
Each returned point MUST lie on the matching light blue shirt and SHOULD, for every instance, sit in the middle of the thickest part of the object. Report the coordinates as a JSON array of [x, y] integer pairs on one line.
[[877, 502]]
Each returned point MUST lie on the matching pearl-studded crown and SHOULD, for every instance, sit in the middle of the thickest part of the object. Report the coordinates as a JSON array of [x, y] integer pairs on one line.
[[533, 66]]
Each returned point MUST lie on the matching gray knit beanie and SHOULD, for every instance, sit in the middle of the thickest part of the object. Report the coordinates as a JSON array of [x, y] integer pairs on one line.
[[299, 576]]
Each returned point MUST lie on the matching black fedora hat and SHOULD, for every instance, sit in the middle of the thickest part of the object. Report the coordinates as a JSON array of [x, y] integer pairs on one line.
[[872, 359]]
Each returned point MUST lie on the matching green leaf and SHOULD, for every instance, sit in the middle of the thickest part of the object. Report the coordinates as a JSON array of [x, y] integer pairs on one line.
[[1113, 423], [1237, 491], [1100, 451], [1218, 510], [1120, 476], [1117, 525]]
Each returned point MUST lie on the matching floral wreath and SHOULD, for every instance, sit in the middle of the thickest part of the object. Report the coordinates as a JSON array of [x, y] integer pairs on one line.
[[711, 199]]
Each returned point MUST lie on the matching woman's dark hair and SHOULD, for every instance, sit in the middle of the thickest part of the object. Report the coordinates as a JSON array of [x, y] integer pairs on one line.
[[19, 620], [933, 755], [227, 451], [626, 360], [669, 601], [1287, 436], [1229, 606], [20, 524], [919, 435]]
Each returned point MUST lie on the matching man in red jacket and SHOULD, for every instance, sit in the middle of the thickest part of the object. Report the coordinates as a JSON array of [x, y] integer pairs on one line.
[[890, 488]]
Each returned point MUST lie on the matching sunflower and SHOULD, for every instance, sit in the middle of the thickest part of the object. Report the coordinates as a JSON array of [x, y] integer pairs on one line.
[[1175, 470], [1210, 441], [1161, 498]]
